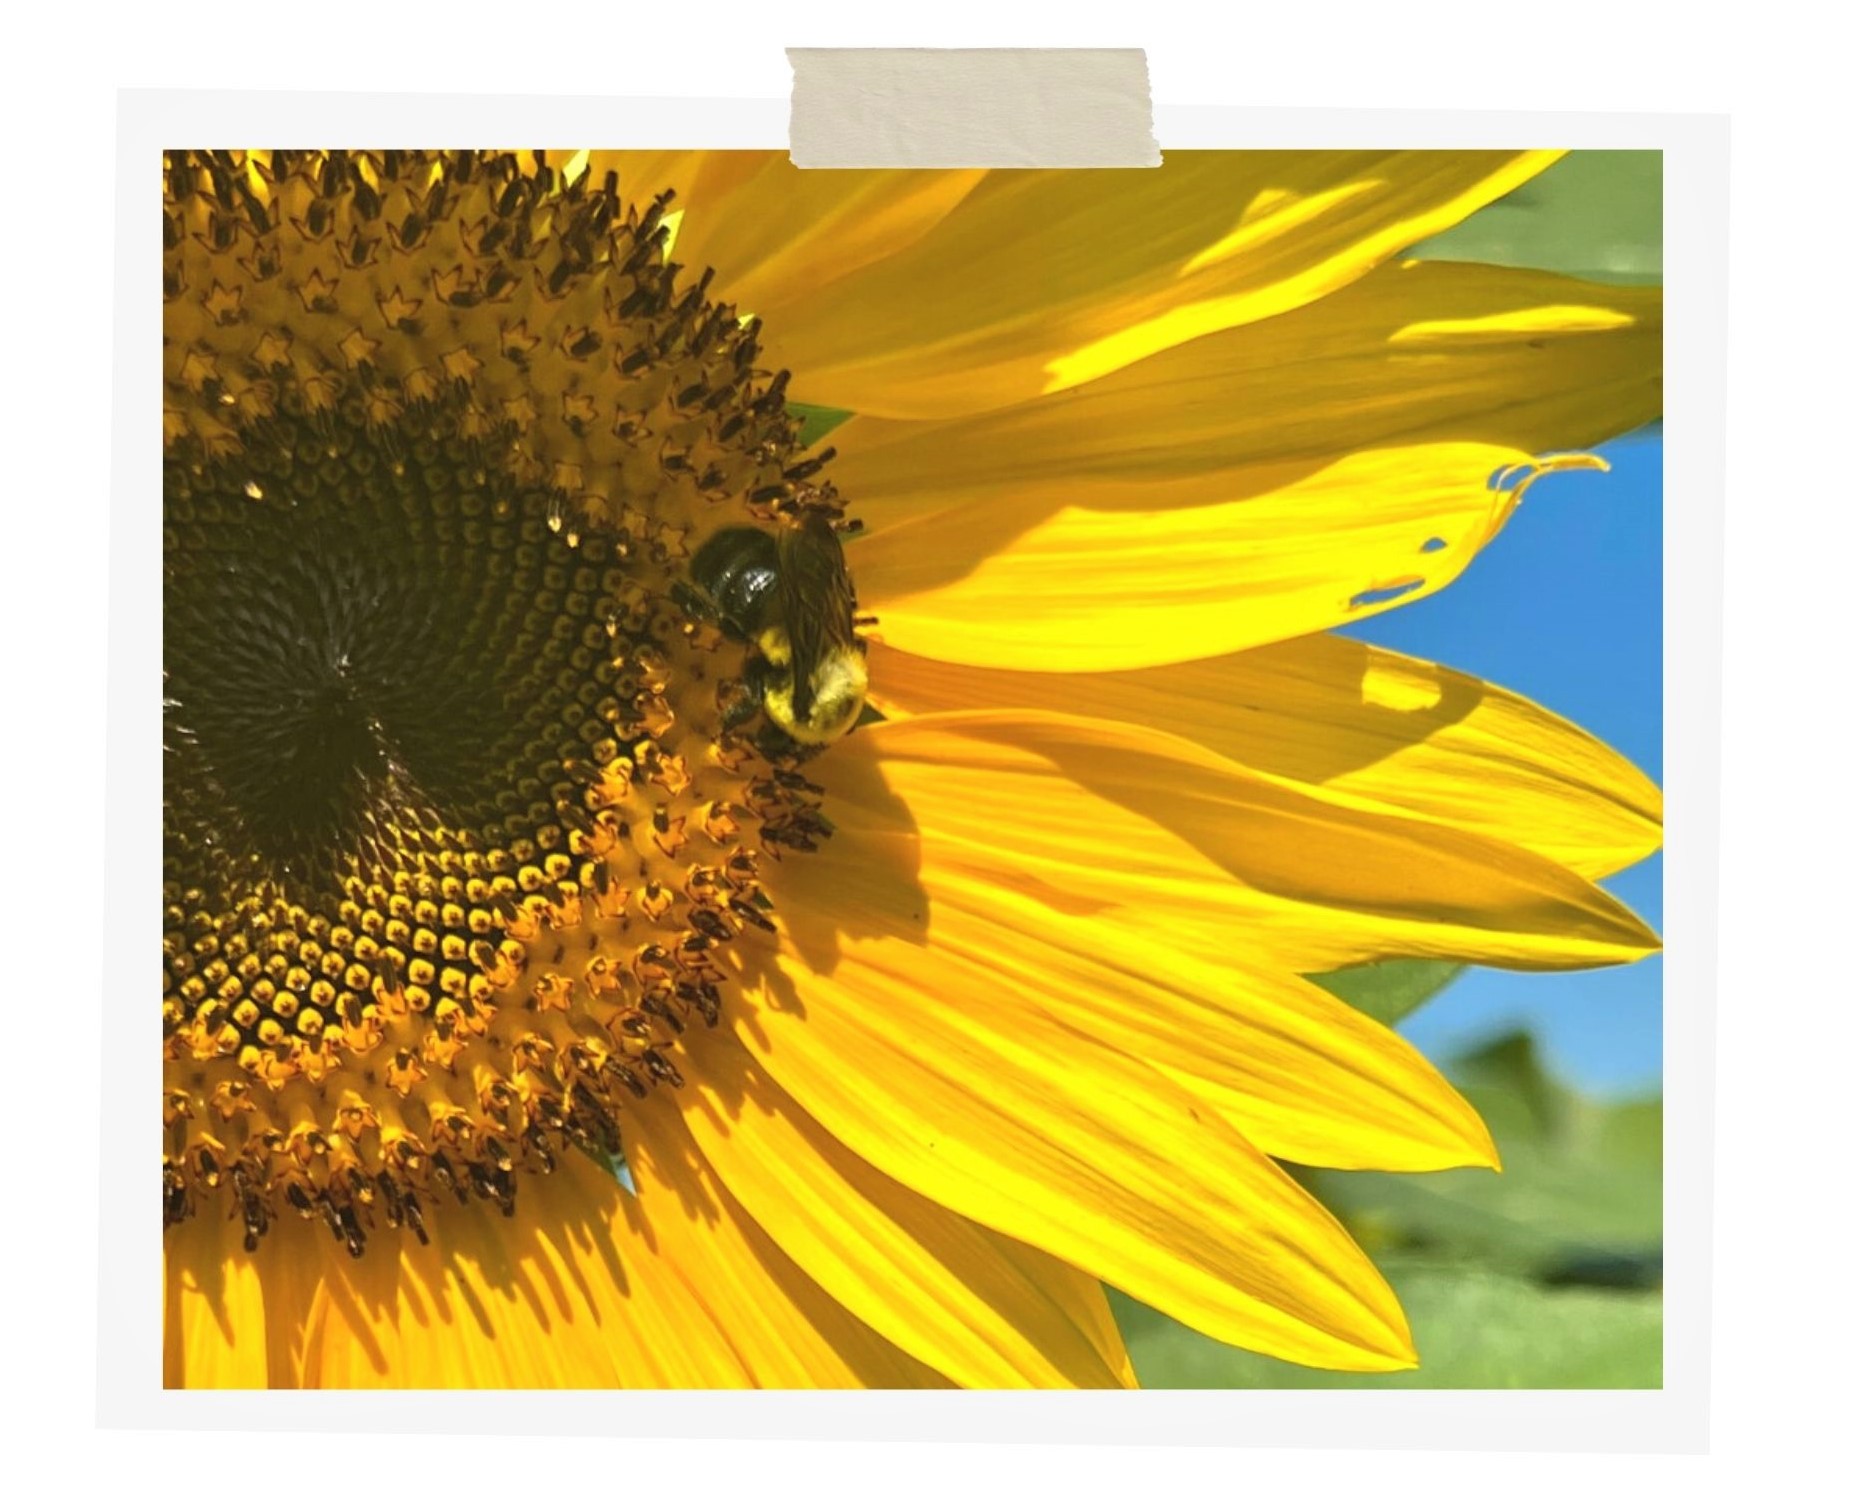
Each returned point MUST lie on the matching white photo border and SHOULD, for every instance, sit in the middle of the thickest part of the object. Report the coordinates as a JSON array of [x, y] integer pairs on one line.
[[130, 1293]]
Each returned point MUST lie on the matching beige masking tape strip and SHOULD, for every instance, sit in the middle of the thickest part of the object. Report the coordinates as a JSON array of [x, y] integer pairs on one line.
[[992, 106]]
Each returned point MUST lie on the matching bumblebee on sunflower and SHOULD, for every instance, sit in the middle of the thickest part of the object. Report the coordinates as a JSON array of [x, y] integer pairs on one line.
[[564, 987]]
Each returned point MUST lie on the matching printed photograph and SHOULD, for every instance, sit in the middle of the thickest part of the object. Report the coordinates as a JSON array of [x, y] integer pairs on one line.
[[911, 779]]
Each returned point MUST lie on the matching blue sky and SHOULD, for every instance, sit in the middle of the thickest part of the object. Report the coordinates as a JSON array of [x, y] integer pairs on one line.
[[1566, 607]]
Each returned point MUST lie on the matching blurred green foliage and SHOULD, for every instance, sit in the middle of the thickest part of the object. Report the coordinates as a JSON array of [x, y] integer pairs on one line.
[[1545, 1276], [1388, 991], [1594, 214]]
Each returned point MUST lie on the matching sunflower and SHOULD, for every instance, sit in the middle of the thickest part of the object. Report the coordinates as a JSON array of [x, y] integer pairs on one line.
[[555, 995]]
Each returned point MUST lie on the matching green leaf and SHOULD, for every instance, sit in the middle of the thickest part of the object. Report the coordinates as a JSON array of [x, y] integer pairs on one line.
[[1474, 1329], [1594, 214], [1554, 1206], [1387, 991], [815, 421], [1580, 1181], [1546, 1275]]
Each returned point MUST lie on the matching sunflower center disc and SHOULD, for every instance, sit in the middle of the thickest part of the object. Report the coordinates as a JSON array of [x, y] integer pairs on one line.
[[454, 833], [393, 664]]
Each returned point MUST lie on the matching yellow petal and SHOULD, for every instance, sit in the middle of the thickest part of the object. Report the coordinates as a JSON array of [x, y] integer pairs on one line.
[[589, 1287], [230, 1318], [972, 1097], [772, 232], [787, 1331], [1026, 582], [1202, 853], [568, 1293], [1041, 281], [985, 1310], [1301, 1075], [1366, 722], [1412, 352]]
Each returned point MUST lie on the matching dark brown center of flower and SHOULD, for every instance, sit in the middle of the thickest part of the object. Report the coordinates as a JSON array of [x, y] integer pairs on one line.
[[390, 661], [453, 829]]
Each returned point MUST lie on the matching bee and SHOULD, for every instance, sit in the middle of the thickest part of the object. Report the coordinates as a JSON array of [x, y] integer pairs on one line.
[[785, 594]]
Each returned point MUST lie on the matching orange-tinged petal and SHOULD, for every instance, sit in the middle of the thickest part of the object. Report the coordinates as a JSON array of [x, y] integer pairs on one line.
[[1413, 352], [1366, 722], [772, 232], [1203, 852], [1026, 582], [974, 1098], [1041, 281], [985, 1310]]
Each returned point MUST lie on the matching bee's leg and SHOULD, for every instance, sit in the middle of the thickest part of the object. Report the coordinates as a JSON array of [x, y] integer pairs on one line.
[[739, 704], [698, 605], [781, 747], [759, 676]]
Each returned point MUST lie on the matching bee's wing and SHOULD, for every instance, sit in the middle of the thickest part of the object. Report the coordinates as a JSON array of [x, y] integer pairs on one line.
[[816, 600]]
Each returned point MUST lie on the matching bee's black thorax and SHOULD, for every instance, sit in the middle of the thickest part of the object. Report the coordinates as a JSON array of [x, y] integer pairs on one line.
[[784, 594]]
